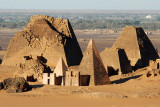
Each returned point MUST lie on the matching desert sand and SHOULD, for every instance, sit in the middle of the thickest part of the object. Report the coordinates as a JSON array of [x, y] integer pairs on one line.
[[134, 90]]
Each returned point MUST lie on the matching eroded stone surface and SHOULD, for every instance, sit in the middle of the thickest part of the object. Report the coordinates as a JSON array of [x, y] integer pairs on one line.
[[51, 37], [16, 85]]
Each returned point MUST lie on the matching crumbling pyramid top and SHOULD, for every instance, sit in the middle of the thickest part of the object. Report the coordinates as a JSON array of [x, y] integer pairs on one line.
[[59, 24], [92, 65], [60, 68]]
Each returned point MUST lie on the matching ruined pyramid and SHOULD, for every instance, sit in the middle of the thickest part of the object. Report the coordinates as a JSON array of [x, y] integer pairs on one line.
[[45, 36], [60, 68], [116, 61], [92, 65], [137, 46]]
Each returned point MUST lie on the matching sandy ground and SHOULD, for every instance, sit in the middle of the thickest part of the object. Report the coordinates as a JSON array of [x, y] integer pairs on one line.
[[133, 90]]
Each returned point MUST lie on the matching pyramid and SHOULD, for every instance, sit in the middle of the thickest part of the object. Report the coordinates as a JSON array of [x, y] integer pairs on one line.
[[60, 68], [137, 47], [51, 37], [116, 61], [92, 65]]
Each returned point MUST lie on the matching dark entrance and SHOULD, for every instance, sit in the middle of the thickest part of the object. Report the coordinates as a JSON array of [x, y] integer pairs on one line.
[[58, 80], [157, 65], [48, 81], [84, 80], [31, 79]]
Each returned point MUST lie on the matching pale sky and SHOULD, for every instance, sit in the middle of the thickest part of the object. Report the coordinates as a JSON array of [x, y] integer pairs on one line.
[[81, 4]]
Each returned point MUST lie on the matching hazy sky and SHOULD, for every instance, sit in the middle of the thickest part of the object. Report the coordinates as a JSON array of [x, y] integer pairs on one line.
[[81, 4]]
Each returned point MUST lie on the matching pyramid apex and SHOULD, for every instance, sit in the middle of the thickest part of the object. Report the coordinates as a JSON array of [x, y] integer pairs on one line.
[[91, 44], [60, 58], [91, 41], [60, 68]]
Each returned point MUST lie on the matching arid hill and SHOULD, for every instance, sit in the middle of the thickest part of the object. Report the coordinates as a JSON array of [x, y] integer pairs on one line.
[[44, 36]]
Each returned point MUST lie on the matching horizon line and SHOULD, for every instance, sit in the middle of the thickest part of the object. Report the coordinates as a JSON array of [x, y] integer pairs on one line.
[[88, 9]]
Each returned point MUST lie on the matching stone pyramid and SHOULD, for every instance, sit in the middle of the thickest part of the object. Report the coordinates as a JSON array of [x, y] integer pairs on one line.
[[116, 61], [92, 65], [137, 46], [60, 68], [51, 37]]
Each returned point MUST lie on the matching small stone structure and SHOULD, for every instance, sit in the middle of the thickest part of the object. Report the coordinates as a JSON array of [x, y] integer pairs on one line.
[[153, 69], [60, 71], [154, 64], [72, 78], [49, 78], [58, 76]]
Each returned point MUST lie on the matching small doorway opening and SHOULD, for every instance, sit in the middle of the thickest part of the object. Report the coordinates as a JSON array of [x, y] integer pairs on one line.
[[48, 81], [157, 65], [84, 80], [58, 80]]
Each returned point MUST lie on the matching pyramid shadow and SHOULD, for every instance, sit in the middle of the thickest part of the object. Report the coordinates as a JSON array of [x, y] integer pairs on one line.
[[119, 81], [36, 86]]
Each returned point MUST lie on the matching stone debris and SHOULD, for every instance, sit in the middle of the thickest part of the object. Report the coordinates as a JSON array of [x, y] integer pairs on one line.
[[153, 73], [15, 85], [153, 69], [32, 70]]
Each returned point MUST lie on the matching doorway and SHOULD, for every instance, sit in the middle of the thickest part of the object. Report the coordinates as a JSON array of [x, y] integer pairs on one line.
[[157, 65], [48, 81], [84, 80]]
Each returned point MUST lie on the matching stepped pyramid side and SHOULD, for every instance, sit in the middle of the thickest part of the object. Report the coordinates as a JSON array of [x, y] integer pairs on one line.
[[60, 68], [92, 65], [51, 37]]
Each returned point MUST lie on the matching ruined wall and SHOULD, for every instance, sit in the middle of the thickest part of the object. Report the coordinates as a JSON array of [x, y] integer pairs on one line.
[[116, 61], [110, 59]]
